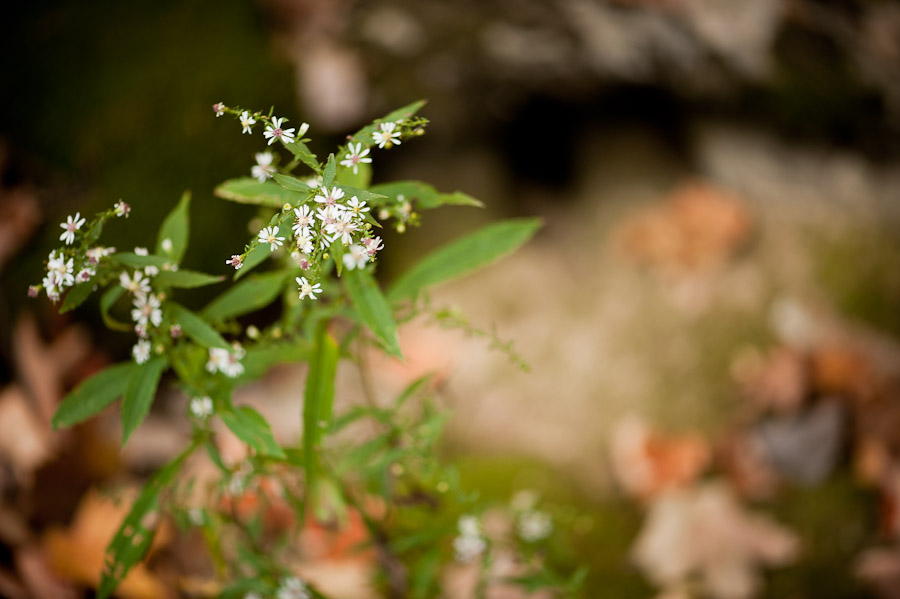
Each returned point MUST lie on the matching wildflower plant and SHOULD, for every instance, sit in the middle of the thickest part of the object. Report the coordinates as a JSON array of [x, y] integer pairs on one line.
[[321, 239]]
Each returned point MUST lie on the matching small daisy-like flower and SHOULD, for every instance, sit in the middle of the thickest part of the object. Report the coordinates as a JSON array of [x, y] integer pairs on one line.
[[236, 261], [50, 284], [292, 588], [141, 351], [141, 251], [275, 131], [219, 109], [304, 220], [357, 207], [356, 257], [269, 235], [373, 244], [62, 269], [305, 243], [247, 122], [263, 168], [166, 245], [137, 284], [306, 289], [84, 275], [330, 198], [122, 209], [71, 225], [327, 214], [470, 543], [387, 136], [201, 407], [147, 308], [356, 156], [151, 271], [342, 228]]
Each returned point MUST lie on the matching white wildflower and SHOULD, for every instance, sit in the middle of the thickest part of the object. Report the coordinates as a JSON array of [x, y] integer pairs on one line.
[[137, 284], [141, 251], [141, 351], [330, 198], [373, 244], [147, 308], [225, 361], [62, 269], [275, 131], [201, 407], [304, 220], [269, 235], [305, 243], [356, 156], [236, 261], [357, 207], [356, 257], [71, 225], [386, 136], [247, 122], [534, 526], [470, 543], [219, 109], [307, 289], [469, 526], [263, 168], [342, 228], [122, 209], [84, 275], [151, 271]]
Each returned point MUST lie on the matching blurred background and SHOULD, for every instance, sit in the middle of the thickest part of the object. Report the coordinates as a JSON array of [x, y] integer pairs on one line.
[[711, 312]]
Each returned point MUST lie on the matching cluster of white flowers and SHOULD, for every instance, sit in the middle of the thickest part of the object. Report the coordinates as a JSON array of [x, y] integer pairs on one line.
[[470, 543], [228, 362], [532, 525]]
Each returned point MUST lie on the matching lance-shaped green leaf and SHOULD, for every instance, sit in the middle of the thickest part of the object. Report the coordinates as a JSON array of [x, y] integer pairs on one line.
[[365, 134], [424, 196], [195, 327], [247, 296], [93, 395], [372, 197], [337, 254], [248, 190], [106, 302], [464, 255], [302, 153], [292, 183], [258, 360], [175, 228], [139, 393], [318, 397], [138, 261], [136, 532], [186, 279], [372, 308], [250, 427], [76, 296], [330, 170]]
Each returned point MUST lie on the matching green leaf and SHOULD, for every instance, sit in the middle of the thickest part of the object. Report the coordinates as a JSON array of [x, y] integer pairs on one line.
[[302, 153], [76, 296], [247, 296], [139, 393], [175, 228], [360, 179], [292, 183], [134, 536], [337, 254], [318, 397], [106, 302], [196, 328], [93, 395], [330, 169], [186, 279], [248, 190], [258, 360], [250, 427], [137, 261], [366, 195], [372, 308], [464, 255], [424, 196]]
